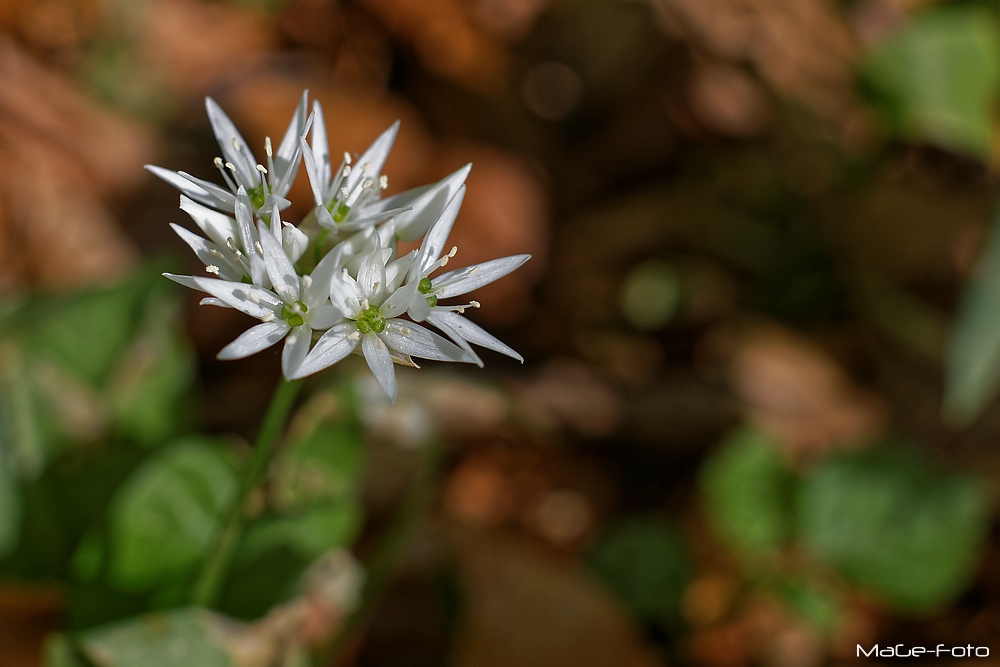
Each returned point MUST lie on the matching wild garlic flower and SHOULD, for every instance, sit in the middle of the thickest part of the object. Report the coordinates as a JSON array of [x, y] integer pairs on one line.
[[421, 293], [370, 321], [337, 281], [292, 309], [266, 187]]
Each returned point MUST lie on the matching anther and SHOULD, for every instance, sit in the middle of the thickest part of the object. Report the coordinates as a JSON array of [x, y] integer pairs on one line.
[[258, 248], [213, 269], [236, 144], [215, 253], [347, 157], [267, 318], [475, 304], [454, 251], [231, 244], [261, 168], [218, 162], [231, 167], [254, 297], [267, 146], [383, 181], [354, 335], [346, 172]]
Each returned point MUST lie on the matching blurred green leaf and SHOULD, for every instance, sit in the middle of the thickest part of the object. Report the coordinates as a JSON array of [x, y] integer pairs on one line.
[[183, 638], [938, 77], [10, 504], [310, 533], [747, 492], [166, 516], [86, 333], [972, 366], [59, 651], [813, 602], [645, 563], [886, 522], [323, 464], [154, 378]]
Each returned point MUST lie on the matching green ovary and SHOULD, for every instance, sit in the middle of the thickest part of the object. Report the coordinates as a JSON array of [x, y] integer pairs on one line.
[[425, 287], [293, 315], [338, 210], [257, 196], [370, 320]]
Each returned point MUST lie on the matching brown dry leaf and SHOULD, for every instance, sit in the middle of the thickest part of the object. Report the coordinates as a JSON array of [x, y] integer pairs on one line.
[[800, 395], [802, 48], [567, 392], [446, 39], [193, 45], [522, 609], [62, 154], [27, 615]]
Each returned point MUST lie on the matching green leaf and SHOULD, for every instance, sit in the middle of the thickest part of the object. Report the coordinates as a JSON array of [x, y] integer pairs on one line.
[[310, 533], [645, 564], [972, 365], [59, 651], [183, 638], [938, 78], [747, 492], [815, 603], [10, 503], [324, 464], [153, 379], [167, 515], [86, 333], [887, 523]]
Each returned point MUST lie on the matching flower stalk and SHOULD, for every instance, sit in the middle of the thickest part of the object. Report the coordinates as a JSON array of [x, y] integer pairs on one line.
[[213, 576]]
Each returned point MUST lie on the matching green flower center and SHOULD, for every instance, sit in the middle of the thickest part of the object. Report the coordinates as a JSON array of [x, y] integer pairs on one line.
[[425, 287], [370, 321], [338, 210], [258, 195], [293, 314]]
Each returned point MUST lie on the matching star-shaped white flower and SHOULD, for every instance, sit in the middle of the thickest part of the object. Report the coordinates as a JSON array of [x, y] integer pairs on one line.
[[367, 322], [292, 309], [420, 294], [265, 186], [349, 198]]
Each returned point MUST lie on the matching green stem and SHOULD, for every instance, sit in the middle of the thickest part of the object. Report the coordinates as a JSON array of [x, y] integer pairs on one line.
[[384, 562], [213, 575]]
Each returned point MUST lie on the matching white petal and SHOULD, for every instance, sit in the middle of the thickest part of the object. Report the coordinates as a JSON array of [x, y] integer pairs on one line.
[[461, 342], [345, 295], [332, 346], [462, 281], [426, 204], [395, 273], [296, 349], [371, 275], [217, 226], [401, 300], [212, 301], [313, 172], [250, 299], [255, 339], [294, 241], [225, 133], [370, 164], [449, 322], [418, 307], [228, 270], [324, 317], [320, 147], [318, 290], [416, 341], [193, 187], [433, 244], [380, 361], [286, 159], [279, 268]]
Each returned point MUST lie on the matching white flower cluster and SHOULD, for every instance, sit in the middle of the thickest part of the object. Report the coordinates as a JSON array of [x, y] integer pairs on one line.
[[333, 284]]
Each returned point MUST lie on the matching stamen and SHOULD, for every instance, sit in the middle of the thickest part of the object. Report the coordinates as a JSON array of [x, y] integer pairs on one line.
[[254, 297], [231, 244], [236, 144], [346, 172], [215, 253], [364, 304], [261, 168], [454, 251], [260, 249], [475, 304], [267, 318], [383, 181], [231, 167], [354, 335], [218, 162], [347, 157], [267, 146], [213, 269], [406, 331]]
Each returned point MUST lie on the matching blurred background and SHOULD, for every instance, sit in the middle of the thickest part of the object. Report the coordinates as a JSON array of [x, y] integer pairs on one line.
[[761, 326]]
